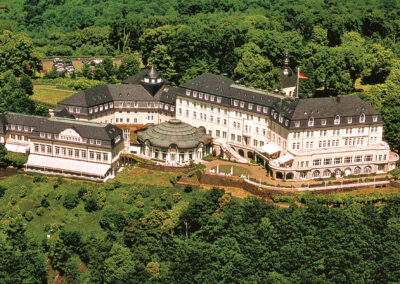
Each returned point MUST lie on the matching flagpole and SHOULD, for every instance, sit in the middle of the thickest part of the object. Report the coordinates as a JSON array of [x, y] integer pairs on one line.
[[297, 88]]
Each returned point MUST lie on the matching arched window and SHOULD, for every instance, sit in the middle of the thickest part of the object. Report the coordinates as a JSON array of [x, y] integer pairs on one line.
[[315, 174], [367, 170], [362, 118], [311, 121], [337, 120], [327, 173], [357, 170]]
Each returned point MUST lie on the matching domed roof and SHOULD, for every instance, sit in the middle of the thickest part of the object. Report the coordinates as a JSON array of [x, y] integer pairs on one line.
[[174, 132]]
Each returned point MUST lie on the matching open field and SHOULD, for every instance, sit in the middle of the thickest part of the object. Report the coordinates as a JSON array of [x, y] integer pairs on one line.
[[49, 94]]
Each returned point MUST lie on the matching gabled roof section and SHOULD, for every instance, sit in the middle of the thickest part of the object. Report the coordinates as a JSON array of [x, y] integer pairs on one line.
[[89, 97], [332, 106], [210, 83]]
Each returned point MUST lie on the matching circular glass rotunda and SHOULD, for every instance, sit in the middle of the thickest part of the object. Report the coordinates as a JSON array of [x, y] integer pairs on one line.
[[174, 143]]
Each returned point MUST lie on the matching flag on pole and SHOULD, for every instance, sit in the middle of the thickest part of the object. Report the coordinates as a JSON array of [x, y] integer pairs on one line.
[[302, 76]]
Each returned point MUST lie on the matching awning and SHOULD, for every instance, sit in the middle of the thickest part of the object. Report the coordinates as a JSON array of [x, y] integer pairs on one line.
[[270, 148], [70, 166], [285, 158], [16, 148]]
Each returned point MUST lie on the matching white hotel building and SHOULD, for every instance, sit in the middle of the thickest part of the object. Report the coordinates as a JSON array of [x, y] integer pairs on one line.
[[294, 138]]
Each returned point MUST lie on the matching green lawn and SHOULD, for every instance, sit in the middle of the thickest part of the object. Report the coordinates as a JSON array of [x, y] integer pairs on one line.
[[140, 189], [48, 94], [237, 171]]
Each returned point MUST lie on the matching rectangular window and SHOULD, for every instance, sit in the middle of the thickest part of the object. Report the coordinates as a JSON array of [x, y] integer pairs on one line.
[[98, 142], [357, 159], [317, 162], [91, 141], [49, 149], [91, 155], [338, 160], [63, 151], [77, 154], [42, 134], [328, 161], [36, 147], [42, 148], [98, 156], [232, 137], [219, 100], [105, 157], [69, 152], [83, 154], [368, 158], [348, 160], [57, 149]]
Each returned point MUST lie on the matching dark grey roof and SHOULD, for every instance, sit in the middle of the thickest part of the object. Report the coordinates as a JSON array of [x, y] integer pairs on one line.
[[174, 132], [90, 97], [55, 125], [24, 119], [210, 83], [86, 129], [168, 94], [332, 106], [105, 94], [137, 78]]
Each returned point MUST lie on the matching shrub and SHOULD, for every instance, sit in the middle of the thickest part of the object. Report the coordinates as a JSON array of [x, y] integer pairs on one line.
[[39, 178], [188, 189], [112, 185], [113, 220], [28, 216], [44, 203], [2, 190], [176, 197], [71, 201], [17, 160], [91, 204], [139, 204], [82, 193], [208, 158], [39, 211]]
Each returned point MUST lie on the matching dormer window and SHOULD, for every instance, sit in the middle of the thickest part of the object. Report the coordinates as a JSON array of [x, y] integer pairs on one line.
[[362, 118], [219, 99], [194, 94], [349, 120], [111, 105], [153, 80], [42, 134], [91, 141], [286, 122], [297, 123], [311, 121], [206, 97], [78, 110], [146, 80], [98, 142], [280, 118], [265, 110], [159, 80], [323, 122], [95, 109], [188, 93], [275, 115], [200, 95], [337, 120], [235, 103], [105, 106], [212, 98], [258, 108], [374, 118], [250, 106], [101, 108], [241, 104]]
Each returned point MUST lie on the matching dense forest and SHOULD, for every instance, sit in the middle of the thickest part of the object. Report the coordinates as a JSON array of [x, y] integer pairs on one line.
[[133, 233]]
